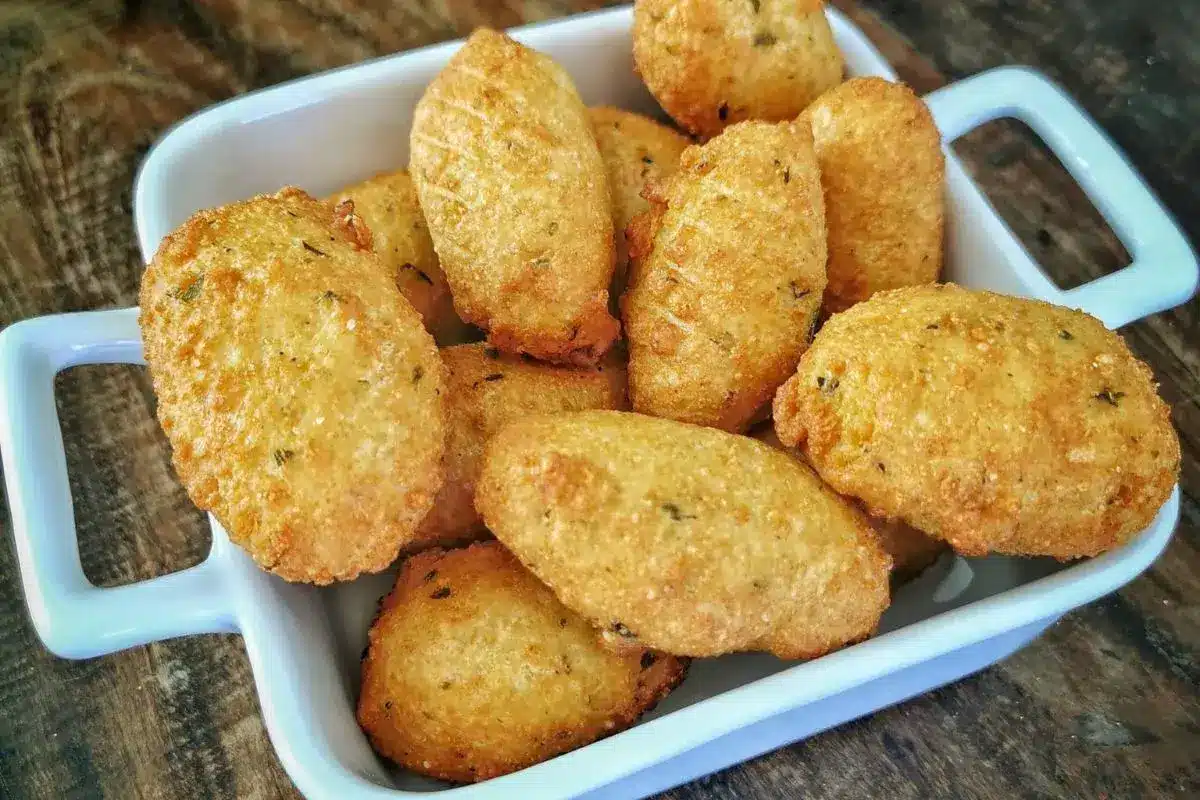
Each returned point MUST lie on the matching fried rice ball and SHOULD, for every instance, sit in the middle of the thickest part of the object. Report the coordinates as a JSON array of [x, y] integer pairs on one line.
[[474, 669], [910, 550], [711, 63], [998, 424], [683, 538], [516, 196], [297, 386], [636, 150], [728, 272], [485, 389], [387, 203], [883, 174]]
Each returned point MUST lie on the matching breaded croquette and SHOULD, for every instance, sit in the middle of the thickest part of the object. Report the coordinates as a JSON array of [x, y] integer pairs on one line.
[[388, 205], [297, 386], [711, 63], [883, 174], [683, 538], [516, 197], [474, 669], [635, 150], [910, 550], [485, 389], [999, 424], [728, 272]]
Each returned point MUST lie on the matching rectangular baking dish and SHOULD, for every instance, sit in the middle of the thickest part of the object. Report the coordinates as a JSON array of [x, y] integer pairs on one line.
[[304, 643]]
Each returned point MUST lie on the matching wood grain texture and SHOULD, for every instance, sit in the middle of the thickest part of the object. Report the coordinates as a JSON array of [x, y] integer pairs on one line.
[[1104, 705]]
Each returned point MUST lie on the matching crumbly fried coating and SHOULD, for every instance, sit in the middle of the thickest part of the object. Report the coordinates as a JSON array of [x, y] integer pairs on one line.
[[999, 424], [682, 538], [517, 201], [484, 390], [711, 63], [728, 272], [297, 386], [911, 550], [635, 150], [883, 173], [474, 669], [387, 203]]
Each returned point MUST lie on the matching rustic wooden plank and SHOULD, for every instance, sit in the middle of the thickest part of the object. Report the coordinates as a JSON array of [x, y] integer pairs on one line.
[[90, 84]]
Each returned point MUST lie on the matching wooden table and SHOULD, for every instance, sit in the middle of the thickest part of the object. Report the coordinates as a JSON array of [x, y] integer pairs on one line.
[[1104, 705]]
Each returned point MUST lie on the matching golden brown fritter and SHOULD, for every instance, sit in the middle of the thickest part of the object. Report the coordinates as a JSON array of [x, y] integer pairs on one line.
[[728, 271], [910, 550], [635, 150], [711, 63], [474, 670], [388, 205], [484, 390], [516, 196], [297, 387], [883, 173], [683, 538], [999, 424]]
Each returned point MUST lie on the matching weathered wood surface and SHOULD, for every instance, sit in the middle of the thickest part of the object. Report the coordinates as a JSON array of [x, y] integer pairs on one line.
[[1105, 705]]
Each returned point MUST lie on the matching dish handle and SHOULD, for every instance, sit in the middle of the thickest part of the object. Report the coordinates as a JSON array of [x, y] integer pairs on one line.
[[74, 618], [1163, 271]]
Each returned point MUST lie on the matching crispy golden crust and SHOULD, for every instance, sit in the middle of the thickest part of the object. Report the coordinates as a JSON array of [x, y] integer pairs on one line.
[[728, 271], [883, 173], [636, 150], [711, 63], [911, 550], [679, 537], [297, 387], [474, 670], [388, 205], [484, 390], [995, 423], [516, 196]]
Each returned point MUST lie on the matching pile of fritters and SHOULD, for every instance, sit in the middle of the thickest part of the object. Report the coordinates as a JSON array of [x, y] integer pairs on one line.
[[324, 399]]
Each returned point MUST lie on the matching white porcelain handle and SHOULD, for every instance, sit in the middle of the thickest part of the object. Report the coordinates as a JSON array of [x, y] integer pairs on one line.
[[1163, 272], [74, 618]]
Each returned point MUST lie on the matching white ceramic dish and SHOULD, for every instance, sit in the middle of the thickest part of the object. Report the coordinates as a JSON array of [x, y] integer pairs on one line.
[[304, 643]]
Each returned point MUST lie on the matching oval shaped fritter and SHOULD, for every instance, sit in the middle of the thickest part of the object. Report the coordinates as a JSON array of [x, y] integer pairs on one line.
[[636, 150], [999, 424], [516, 196], [911, 550], [388, 204], [297, 386], [728, 272], [484, 390], [474, 669], [711, 63], [683, 538], [883, 173]]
